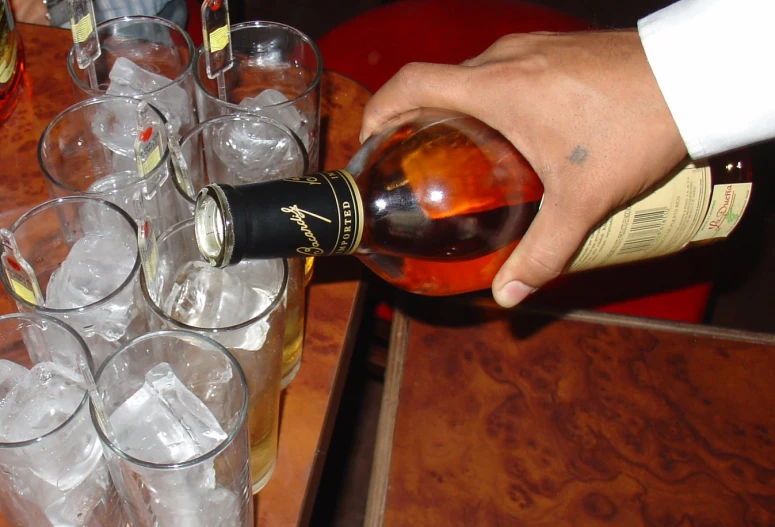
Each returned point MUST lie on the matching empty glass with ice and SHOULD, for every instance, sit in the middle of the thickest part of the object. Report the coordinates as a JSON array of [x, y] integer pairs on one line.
[[241, 148], [52, 471], [114, 148], [276, 73], [177, 444], [82, 267], [144, 57], [242, 308]]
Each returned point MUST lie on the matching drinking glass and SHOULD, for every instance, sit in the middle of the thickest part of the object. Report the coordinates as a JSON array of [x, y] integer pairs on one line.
[[89, 150], [243, 148], [146, 57], [52, 471], [176, 441], [276, 72], [242, 308], [83, 254]]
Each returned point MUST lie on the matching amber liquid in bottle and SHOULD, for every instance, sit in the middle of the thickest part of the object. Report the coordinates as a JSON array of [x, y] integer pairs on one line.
[[446, 204], [437, 203]]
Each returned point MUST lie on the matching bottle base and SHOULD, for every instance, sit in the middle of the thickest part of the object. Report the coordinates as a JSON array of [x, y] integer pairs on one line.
[[439, 277]]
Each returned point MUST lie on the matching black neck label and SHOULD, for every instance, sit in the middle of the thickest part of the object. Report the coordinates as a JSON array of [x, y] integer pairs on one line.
[[323, 212]]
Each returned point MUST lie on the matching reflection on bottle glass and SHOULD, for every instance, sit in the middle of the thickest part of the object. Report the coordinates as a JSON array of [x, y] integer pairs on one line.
[[11, 61]]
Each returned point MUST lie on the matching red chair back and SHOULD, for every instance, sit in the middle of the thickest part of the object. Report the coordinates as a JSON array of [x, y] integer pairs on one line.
[[371, 47]]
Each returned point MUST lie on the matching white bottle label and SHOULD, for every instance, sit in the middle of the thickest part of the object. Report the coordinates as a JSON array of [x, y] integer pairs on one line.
[[659, 224], [727, 205]]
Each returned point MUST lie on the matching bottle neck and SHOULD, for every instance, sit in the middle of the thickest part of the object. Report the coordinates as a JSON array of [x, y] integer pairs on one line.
[[317, 214]]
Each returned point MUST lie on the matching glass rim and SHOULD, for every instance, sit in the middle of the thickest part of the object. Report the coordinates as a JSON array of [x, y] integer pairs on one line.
[[259, 24], [244, 116], [52, 203], [161, 165], [223, 445], [84, 347], [211, 331], [142, 19]]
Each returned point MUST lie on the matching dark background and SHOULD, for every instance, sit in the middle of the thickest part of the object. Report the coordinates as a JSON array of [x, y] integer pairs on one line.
[[315, 17]]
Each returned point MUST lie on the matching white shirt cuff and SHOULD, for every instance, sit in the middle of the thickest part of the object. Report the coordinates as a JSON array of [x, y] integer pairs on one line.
[[712, 61]]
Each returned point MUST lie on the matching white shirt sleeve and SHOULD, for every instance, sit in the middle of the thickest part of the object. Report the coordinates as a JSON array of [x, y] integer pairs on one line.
[[713, 62]]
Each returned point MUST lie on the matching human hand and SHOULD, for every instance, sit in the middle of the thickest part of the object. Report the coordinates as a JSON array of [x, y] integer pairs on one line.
[[583, 108], [30, 11]]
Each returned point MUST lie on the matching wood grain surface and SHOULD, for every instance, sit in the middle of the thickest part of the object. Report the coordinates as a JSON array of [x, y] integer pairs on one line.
[[335, 296], [523, 419]]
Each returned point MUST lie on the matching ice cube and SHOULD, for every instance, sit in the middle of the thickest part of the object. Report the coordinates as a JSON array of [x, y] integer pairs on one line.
[[88, 503], [271, 103], [164, 422], [223, 508], [119, 188], [43, 346], [129, 79], [67, 478], [94, 268], [126, 75], [187, 496], [115, 124], [256, 152], [63, 475], [41, 400], [205, 297], [11, 374], [247, 271], [137, 198]]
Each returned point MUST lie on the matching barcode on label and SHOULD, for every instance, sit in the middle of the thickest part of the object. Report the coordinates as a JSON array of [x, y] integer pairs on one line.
[[644, 230]]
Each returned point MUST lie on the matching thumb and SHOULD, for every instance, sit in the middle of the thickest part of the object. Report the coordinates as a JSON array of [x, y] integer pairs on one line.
[[542, 254]]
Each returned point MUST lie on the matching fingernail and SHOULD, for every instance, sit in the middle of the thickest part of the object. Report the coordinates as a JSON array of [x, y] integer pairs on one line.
[[361, 137], [513, 293]]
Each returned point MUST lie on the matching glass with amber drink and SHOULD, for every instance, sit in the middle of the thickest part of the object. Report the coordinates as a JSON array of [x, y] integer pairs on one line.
[[244, 148], [243, 309]]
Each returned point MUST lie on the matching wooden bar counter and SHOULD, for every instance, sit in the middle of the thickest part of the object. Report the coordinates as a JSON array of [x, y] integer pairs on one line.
[[551, 420], [309, 404]]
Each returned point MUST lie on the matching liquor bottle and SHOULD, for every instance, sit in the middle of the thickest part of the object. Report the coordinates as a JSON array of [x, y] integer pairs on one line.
[[435, 204], [11, 61]]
